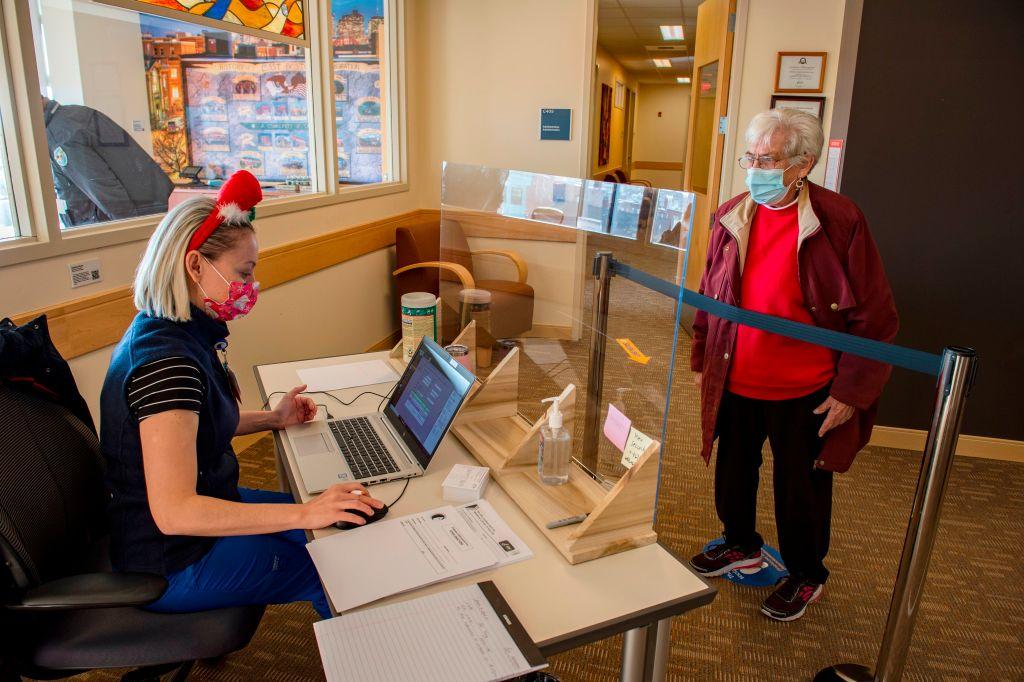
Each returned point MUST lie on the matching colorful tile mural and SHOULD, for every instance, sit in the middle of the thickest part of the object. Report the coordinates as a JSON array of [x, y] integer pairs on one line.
[[283, 17]]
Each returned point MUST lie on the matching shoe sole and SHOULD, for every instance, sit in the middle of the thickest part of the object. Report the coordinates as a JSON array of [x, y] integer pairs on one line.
[[799, 614], [745, 563]]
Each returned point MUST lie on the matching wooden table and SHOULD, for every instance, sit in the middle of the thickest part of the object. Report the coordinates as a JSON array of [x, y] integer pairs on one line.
[[562, 606]]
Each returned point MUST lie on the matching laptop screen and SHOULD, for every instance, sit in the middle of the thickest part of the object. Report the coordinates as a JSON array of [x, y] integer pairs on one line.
[[427, 398]]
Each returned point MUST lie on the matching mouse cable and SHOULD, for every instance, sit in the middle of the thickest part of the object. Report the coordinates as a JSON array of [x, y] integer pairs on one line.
[[400, 494], [329, 395]]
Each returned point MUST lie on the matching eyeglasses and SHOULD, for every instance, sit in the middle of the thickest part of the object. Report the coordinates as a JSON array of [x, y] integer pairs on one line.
[[765, 161]]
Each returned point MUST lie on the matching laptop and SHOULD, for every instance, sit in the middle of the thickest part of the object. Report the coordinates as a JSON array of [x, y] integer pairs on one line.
[[395, 443]]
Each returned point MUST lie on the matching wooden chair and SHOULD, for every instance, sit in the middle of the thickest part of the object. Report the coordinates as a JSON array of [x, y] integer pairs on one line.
[[548, 214], [420, 254]]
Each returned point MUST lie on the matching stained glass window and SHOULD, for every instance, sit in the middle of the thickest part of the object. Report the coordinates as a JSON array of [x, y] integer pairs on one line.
[[285, 18]]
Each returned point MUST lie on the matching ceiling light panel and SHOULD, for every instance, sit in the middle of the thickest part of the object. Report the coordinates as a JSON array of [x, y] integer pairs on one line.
[[672, 32]]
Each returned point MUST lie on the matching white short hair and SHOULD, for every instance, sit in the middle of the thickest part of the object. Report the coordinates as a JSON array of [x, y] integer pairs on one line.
[[161, 283], [802, 132]]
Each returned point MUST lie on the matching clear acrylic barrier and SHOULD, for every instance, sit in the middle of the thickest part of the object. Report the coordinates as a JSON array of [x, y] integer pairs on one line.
[[527, 243]]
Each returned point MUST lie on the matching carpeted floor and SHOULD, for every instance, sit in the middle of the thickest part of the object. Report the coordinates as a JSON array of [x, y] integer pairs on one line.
[[971, 622]]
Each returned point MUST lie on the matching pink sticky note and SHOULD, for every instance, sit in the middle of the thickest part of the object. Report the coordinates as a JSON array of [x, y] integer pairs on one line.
[[616, 427]]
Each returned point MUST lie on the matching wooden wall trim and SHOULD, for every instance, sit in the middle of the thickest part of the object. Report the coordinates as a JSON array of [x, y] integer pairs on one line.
[[658, 165], [967, 446], [93, 322], [477, 223]]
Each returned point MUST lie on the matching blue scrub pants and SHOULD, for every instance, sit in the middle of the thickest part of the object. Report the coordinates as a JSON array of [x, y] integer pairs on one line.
[[248, 569]]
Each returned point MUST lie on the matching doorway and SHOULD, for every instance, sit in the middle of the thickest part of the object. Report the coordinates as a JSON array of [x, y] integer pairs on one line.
[[644, 63]]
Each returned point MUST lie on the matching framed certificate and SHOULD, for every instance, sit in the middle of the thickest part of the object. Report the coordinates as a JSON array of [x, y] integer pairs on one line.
[[800, 72], [812, 105]]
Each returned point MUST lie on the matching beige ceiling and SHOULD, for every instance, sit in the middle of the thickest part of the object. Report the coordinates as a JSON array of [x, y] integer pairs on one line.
[[629, 30]]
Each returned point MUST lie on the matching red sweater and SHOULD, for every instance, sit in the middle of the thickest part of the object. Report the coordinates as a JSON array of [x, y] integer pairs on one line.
[[767, 366]]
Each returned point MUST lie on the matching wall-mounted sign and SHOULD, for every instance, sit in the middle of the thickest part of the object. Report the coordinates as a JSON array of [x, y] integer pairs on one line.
[[815, 106], [800, 72], [555, 124], [833, 164]]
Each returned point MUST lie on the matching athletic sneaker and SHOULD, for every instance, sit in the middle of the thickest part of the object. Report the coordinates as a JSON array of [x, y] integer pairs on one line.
[[790, 600], [720, 559]]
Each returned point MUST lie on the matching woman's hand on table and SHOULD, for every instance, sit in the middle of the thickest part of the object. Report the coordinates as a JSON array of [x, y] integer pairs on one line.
[[294, 409], [337, 504]]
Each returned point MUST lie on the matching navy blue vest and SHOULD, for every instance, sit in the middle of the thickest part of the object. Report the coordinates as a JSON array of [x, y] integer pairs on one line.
[[136, 544]]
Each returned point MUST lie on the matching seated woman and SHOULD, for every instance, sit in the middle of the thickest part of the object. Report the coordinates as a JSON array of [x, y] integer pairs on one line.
[[169, 411]]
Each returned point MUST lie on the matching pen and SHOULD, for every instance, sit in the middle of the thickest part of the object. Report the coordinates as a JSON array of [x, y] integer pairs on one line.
[[568, 521]]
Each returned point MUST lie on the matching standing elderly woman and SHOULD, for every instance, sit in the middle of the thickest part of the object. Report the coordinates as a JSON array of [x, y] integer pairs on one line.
[[795, 250]]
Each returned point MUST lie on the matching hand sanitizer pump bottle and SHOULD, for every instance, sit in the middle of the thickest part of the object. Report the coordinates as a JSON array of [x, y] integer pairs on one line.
[[555, 449]]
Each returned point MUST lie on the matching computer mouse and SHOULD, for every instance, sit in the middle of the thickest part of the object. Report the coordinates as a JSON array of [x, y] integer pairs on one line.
[[376, 516]]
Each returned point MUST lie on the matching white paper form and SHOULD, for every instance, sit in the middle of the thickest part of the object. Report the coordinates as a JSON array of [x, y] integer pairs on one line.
[[396, 555], [348, 375], [453, 635], [505, 545]]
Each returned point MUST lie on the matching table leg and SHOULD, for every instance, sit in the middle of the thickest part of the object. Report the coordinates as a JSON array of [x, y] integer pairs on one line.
[[657, 650], [645, 652], [634, 645]]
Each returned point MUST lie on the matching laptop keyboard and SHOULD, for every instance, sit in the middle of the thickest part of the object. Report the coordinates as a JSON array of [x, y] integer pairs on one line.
[[362, 448]]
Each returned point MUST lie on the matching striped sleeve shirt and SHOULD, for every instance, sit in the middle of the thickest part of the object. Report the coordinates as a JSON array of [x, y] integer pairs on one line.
[[168, 384]]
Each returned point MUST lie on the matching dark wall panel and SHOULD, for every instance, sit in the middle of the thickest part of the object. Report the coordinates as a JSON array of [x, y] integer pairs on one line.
[[935, 158]]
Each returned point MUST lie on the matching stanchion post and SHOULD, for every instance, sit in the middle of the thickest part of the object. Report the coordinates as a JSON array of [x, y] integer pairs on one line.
[[956, 377], [595, 377]]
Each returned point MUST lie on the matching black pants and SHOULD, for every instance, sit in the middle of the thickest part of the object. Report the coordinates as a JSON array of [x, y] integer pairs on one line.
[[803, 495]]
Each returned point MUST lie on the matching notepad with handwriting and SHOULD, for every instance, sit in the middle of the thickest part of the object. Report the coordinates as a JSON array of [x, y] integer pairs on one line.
[[468, 633]]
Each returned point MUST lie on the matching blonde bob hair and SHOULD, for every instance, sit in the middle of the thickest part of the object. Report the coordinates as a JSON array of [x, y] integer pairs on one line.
[[161, 282]]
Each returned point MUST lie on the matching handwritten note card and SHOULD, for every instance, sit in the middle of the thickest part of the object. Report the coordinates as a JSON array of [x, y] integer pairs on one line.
[[616, 427], [636, 443]]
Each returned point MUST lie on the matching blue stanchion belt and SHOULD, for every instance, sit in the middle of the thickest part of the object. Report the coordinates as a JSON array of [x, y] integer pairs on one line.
[[908, 358]]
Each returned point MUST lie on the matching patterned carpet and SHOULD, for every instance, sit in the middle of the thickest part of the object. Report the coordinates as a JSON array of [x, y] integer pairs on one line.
[[971, 622]]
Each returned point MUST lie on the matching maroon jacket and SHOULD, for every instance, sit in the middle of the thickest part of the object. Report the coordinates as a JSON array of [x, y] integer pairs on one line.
[[845, 289]]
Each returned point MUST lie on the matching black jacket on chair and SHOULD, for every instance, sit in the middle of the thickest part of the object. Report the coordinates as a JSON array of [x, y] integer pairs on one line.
[[30, 362]]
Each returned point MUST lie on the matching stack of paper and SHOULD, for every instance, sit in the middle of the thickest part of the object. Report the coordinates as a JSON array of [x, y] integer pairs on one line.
[[396, 555], [467, 634]]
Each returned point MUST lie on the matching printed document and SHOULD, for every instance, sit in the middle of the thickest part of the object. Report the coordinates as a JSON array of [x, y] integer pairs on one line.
[[468, 634], [505, 545], [347, 375], [391, 556]]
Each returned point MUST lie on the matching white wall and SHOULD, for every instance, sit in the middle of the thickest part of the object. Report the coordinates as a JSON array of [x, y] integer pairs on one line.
[[662, 123], [775, 26], [487, 70]]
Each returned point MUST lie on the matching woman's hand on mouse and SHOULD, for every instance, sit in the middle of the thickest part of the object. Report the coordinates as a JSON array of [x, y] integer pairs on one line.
[[338, 503]]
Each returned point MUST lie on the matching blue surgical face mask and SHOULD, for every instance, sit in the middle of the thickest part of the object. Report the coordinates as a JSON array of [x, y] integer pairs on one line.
[[765, 184]]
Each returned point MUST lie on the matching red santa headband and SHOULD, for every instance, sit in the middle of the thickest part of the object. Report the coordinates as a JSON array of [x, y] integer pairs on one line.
[[236, 201]]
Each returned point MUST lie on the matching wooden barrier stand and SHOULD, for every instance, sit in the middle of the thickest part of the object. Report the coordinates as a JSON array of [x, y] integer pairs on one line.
[[491, 428]]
